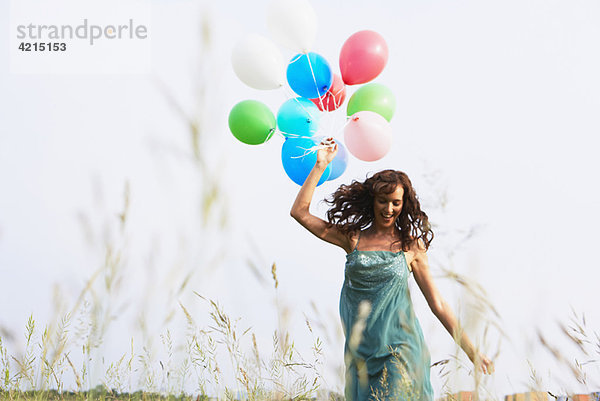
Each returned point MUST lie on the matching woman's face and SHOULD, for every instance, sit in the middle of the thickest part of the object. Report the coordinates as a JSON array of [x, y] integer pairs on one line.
[[387, 207]]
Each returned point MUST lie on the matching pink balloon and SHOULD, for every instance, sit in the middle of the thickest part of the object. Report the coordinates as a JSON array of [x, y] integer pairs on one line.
[[363, 57], [368, 136], [334, 97]]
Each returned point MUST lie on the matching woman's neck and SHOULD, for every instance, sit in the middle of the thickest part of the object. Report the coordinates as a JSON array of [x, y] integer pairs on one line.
[[385, 232]]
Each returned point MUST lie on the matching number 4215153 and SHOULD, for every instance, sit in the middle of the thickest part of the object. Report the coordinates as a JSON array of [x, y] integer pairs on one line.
[[42, 46]]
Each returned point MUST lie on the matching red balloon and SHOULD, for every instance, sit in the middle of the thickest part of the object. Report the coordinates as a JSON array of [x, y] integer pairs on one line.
[[363, 57], [334, 97]]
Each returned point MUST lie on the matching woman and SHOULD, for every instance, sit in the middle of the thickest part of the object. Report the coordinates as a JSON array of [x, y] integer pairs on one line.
[[380, 225]]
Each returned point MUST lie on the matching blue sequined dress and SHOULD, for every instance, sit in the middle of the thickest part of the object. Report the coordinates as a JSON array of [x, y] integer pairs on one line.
[[385, 354]]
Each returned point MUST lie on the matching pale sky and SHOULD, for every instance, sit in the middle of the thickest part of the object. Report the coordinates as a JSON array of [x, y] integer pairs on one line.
[[497, 106]]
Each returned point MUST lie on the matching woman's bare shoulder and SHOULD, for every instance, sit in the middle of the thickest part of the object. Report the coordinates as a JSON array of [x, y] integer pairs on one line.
[[416, 250], [353, 237], [418, 246]]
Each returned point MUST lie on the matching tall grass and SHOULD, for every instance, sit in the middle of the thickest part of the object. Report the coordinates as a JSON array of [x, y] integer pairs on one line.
[[284, 374]]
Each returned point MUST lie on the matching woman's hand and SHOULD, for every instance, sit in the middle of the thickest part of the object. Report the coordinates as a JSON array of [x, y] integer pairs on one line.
[[484, 364], [327, 151]]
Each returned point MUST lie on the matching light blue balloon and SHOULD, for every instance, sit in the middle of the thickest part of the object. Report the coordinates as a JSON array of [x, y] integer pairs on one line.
[[301, 79], [298, 117], [339, 162], [298, 159]]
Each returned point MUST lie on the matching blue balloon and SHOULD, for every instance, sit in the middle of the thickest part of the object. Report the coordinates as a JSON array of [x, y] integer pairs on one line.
[[298, 117], [309, 75], [339, 162], [298, 159]]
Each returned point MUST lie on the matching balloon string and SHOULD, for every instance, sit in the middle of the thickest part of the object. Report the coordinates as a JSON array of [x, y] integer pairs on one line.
[[294, 136], [297, 58], [310, 150], [308, 114], [348, 119], [289, 94], [292, 95], [334, 121], [335, 102], [286, 135], [315, 81], [271, 131], [307, 151]]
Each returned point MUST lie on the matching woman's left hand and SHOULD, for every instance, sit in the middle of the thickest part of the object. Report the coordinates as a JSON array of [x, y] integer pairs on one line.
[[485, 364]]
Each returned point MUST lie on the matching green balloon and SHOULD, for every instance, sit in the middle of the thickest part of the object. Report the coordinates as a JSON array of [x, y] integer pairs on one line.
[[373, 97], [251, 122]]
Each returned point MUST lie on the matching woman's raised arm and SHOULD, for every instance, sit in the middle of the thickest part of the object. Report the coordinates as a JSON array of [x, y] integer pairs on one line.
[[301, 207]]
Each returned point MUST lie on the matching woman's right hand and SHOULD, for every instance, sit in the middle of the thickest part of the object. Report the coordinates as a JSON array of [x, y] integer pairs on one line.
[[327, 151]]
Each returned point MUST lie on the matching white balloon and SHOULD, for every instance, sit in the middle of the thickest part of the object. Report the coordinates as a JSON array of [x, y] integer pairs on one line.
[[293, 23], [258, 63]]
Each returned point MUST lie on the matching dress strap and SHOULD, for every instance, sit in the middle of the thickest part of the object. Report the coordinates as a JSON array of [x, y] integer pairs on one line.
[[357, 240]]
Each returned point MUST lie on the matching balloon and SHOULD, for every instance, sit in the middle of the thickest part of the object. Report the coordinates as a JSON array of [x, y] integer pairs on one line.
[[368, 136], [339, 162], [251, 122], [363, 56], [298, 159], [334, 97], [292, 23], [298, 117], [258, 63], [309, 75], [373, 97]]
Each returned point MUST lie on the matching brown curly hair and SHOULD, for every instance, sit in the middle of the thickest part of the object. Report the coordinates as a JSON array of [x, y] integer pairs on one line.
[[352, 207]]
